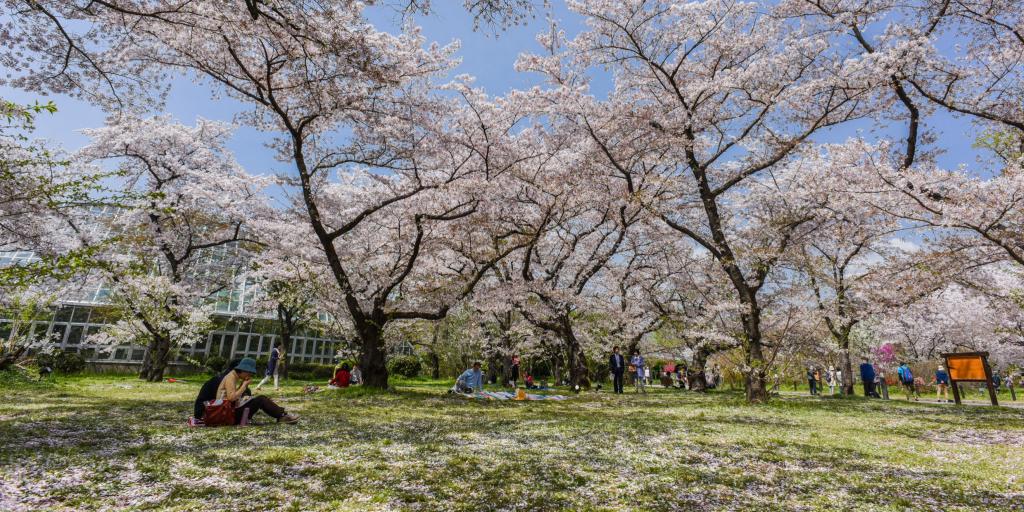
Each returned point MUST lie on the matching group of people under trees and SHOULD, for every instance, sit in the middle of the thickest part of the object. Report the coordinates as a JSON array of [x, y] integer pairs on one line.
[[234, 384], [619, 367], [876, 385], [817, 380]]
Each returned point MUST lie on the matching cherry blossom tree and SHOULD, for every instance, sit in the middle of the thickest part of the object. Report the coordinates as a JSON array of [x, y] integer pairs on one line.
[[708, 97], [954, 319], [181, 241], [42, 201], [338, 95], [853, 261]]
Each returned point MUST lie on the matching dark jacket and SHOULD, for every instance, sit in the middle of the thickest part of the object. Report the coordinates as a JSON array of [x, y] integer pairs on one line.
[[867, 372], [617, 363]]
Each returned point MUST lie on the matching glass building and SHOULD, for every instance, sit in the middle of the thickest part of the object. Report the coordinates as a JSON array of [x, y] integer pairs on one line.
[[239, 329]]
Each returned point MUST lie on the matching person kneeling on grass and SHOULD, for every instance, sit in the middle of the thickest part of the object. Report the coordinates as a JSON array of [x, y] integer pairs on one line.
[[471, 380], [342, 377], [233, 385]]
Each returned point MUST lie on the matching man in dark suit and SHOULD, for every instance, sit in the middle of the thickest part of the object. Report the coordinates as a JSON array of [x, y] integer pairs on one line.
[[617, 365]]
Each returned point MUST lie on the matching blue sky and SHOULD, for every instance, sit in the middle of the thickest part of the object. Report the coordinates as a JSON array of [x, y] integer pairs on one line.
[[487, 56]]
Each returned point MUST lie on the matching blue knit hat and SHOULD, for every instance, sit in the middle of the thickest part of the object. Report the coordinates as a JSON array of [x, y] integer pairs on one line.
[[247, 364]]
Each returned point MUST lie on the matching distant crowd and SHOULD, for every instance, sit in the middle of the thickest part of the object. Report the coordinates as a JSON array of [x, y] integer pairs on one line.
[[876, 383], [227, 398]]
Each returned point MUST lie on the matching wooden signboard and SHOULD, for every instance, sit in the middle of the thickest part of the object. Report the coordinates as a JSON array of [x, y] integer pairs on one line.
[[969, 367]]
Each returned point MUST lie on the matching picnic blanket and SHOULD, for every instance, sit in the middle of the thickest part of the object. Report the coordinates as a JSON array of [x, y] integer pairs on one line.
[[508, 395]]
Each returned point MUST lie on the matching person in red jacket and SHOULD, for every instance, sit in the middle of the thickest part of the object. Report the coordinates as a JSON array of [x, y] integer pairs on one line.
[[342, 377]]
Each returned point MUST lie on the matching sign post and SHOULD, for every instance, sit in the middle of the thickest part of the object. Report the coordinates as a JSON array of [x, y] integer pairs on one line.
[[970, 367]]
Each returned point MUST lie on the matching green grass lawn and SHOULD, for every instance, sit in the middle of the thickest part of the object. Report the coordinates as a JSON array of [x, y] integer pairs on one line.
[[108, 442]]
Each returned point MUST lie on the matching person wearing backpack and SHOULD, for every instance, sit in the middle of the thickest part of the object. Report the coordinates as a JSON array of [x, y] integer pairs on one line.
[[907, 380]]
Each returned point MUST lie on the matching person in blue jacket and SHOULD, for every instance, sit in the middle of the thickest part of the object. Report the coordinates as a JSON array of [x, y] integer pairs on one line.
[[942, 384], [867, 376], [471, 380], [907, 380]]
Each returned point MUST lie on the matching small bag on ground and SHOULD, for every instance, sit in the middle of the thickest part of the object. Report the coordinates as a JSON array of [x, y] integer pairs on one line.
[[219, 413]]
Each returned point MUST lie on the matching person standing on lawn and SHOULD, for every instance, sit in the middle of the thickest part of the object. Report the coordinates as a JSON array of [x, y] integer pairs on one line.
[[515, 371], [273, 366], [941, 384], [637, 362], [234, 386], [617, 366], [907, 380], [867, 376], [830, 379], [811, 381]]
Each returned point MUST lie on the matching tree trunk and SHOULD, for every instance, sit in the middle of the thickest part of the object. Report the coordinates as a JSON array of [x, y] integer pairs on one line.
[[147, 359], [577, 360], [435, 365], [847, 365], [493, 365], [8, 359], [372, 360], [506, 374], [695, 373], [158, 355], [757, 368], [631, 348], [286, 322]]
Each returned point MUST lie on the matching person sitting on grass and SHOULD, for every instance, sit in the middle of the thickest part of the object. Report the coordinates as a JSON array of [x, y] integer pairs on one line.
[[233, 385], [357, 376], [471, 380], [529, 382], [342, 377]]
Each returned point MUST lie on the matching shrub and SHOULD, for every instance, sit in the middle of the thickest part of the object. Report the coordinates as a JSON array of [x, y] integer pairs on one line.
[[406, 366], [215, 364], [310, 371], [62, 362]]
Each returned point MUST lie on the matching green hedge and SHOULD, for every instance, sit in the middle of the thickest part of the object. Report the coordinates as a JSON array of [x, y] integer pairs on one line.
[[310, 371], [406, 366], [62, 362]]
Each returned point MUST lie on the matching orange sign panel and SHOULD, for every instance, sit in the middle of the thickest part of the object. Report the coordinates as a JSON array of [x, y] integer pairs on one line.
[[966, 367]]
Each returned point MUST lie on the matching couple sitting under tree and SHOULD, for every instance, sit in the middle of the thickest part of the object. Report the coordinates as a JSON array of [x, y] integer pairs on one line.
[[344, 376], [232, 386]]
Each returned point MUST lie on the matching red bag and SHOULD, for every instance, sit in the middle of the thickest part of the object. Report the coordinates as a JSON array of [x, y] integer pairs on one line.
[[219, 413]]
